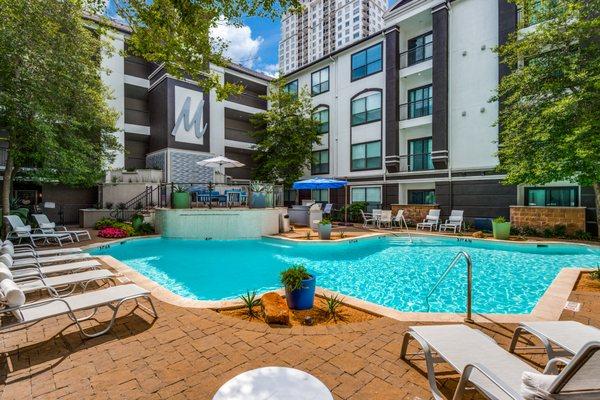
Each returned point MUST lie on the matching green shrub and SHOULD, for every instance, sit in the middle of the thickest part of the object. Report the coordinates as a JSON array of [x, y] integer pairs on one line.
[[145, 228], [500, 220], [582, 235], [250, 301], [127, 228], [548, 232], [325, 221], [292, 277], [333, 304], [105, 223], [560, 231], [595, 274], [354, 210]]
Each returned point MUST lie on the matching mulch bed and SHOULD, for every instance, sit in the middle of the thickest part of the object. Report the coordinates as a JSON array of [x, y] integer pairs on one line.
[[585, 283], [319, 315]]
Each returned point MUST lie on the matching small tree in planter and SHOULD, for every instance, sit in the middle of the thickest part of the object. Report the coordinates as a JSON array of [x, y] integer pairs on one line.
[[501, 228], [325, 229], [299, 287]]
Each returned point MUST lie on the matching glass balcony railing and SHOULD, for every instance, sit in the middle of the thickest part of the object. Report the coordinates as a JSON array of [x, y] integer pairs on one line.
[[416, 109], [416, 55], [416, 162]]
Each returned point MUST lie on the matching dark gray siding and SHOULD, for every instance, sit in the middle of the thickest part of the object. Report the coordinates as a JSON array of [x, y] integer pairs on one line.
[[440, 84], [391, 100], [479, 199]]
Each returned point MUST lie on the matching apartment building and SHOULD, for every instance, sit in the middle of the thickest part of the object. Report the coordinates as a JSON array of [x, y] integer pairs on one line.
[[324, 26], [406, 116]]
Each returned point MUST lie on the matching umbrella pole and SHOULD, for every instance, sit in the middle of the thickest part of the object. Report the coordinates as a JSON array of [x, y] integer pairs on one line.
[[345, 206]]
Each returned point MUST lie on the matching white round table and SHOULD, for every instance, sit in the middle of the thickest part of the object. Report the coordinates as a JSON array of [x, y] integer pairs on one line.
[[273, 383]]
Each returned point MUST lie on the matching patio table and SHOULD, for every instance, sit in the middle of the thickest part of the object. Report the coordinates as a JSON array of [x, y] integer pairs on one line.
[[273, 383]]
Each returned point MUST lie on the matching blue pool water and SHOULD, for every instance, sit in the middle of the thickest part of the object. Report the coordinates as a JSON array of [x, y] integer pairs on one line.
[[390, 271]]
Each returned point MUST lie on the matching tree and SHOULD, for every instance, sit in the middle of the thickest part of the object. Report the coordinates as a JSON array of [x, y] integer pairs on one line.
[[285, 135], [176, 33], [549, 116], [53, 108]]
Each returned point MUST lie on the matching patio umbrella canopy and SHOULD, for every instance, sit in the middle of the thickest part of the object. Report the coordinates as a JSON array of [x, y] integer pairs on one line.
[[219, 162]]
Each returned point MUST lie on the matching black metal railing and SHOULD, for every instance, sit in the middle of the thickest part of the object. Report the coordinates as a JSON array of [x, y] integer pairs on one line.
[[416, 55], [416, 109]]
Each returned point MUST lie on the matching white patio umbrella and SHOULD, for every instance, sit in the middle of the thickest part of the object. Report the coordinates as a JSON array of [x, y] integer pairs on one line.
[[220, 162]]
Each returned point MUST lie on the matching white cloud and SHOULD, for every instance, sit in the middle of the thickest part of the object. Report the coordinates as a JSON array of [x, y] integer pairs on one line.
[[242, 48], [270, 70]]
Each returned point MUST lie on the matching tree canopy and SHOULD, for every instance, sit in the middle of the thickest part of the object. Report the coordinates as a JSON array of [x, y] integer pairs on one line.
[[285, 135], [53, 110], [549, 116]]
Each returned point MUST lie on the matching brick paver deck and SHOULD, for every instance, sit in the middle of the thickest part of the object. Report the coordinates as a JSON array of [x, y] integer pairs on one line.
[[190, 353]]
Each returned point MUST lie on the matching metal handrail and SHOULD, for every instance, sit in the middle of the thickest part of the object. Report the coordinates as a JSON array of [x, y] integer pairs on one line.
[[452, 264]]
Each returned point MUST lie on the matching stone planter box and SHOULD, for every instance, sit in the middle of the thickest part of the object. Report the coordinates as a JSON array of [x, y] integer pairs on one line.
[[413, 213], [548, 217], [89, 216]]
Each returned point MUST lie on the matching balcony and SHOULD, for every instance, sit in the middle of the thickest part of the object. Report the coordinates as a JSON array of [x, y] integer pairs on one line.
[[416, 109], [415, 162], [249, 99], [416, 55]]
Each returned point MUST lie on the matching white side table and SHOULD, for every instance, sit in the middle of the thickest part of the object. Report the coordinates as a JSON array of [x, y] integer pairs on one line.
[[273, 383]]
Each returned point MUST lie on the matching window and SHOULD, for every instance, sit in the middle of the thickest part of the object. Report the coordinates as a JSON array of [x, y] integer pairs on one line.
[[320, 162], [292, 87], [367, 62], [289, 196], [419, 154], [420, 48], [421, 196], [369, 194], [323, 117], [366, 156], [552, 196], [366, 109], [320, 81], [420, 102], [320, 195]]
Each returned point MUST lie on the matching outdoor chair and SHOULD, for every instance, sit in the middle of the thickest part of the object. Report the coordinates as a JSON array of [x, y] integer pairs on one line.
[[46, 226], [112, 297], [41, 272], [498, 374], [399, 220], [454, 221], [569, 336], [60, 285], [39, 261], [385, 219], [27, 250], [328, 209], [431, 221], [20, 231], [367, 219]]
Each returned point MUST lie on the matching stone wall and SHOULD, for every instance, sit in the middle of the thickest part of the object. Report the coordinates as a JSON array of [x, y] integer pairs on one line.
[[548, 217], [413, 212]]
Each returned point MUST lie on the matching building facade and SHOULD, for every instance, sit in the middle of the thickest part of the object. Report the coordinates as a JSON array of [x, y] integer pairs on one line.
[[407, 118], [324, 26]]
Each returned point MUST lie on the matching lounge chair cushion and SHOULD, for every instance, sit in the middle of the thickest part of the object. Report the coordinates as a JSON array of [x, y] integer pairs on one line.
[[8, 243], [6, 259], [7, 250], [535, 384], [5, 272], [47, 225], [11, 294]]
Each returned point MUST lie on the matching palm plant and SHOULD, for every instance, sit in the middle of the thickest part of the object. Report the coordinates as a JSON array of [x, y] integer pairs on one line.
[[250, 301]]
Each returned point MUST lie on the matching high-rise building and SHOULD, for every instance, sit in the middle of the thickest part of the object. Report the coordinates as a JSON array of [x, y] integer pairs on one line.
[[324, 26]]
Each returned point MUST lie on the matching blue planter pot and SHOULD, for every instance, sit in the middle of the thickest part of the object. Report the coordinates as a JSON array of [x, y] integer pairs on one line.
[[303, 298]]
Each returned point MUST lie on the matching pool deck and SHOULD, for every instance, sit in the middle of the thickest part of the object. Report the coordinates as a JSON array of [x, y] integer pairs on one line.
[[188, 353]]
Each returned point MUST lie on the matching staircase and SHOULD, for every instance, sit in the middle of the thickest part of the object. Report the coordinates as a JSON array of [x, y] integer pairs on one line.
[[144, 202]]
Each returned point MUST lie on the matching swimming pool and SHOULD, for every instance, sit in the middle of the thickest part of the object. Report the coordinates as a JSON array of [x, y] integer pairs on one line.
[[389, 271]]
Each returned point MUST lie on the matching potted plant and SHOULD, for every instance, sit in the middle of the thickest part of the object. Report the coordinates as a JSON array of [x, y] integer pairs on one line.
[[299, 287], [181, 197], [325, 229], [501, 228]]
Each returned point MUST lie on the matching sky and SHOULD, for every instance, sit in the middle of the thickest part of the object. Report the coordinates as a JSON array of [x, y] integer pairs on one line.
[[254, 45]]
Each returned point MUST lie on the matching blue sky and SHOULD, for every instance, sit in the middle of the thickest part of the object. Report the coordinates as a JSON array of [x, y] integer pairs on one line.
[[253, 45]]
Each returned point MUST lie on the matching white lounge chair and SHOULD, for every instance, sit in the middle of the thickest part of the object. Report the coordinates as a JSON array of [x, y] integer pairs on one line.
[[454, 221], [498, 374], [569, 336], [20, 231], [61, 285], [39, 261], [27, 250], [431, 221], [367, 219], [399, 220], [34, 271], [385, 219], [46, 226], [112, 297]]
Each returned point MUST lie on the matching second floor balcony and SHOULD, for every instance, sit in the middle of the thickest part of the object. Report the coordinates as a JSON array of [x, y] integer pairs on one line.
[[416, 55], [416, 162], [416, 109]]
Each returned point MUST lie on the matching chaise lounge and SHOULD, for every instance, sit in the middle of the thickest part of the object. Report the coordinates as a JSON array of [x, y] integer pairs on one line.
[[20, 231], [45, 226]]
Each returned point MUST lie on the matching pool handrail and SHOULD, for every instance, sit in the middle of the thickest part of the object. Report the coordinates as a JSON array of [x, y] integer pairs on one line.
[[457, 257]]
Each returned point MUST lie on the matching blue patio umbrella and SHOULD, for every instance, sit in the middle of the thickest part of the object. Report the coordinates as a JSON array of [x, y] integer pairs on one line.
[[324, 183]]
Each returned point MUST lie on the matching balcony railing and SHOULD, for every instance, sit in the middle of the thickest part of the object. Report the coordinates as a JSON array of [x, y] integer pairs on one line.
[[415, 162], [416, 55], [416, 109], [249, 99]]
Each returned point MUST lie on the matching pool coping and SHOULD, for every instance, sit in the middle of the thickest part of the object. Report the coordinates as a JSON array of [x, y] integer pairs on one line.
[[549, 307]]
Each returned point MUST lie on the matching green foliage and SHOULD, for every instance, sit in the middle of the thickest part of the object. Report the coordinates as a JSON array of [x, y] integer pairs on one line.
[[285, 135], [292, 277], [500, 220], [180, 189], [325, 221], [104, 223], [145, 228], [177, 34], [333, 303], [23, 213], [595, 274], [250, 301], [113, 223], [582, 235], [354, 210], [550, 100]]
